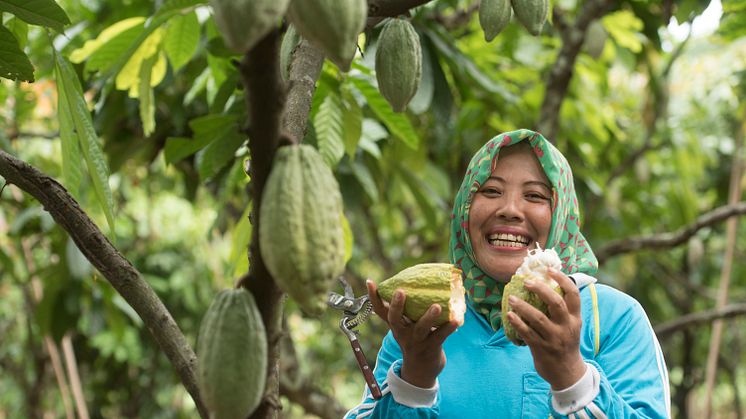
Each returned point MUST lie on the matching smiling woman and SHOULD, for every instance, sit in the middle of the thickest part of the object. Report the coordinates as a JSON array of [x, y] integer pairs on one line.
[[593, 354]]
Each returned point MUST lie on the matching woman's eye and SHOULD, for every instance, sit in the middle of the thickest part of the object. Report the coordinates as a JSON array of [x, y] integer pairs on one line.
[[536, 197], [490, 192]]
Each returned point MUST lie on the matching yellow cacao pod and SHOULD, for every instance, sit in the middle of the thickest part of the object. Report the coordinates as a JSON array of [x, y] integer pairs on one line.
[[244, 22], [300, 227], [534, 267], [427, 284], [494, 16], [331, 25], [232, 355], [398, 63], [531, 13]]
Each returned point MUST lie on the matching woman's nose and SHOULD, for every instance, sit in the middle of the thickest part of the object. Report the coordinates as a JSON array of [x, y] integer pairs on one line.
[[509, 208]]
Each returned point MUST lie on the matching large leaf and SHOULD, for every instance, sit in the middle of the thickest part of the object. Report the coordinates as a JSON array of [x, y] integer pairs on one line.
[[14, 64], [129, 76], [101, 53], [71, 163], [172, 7], [68, 87], [37, 12], [624, 27], [221, 132], [329, 128], [397, 123], [181, 39], [352, 121], [145, 94]]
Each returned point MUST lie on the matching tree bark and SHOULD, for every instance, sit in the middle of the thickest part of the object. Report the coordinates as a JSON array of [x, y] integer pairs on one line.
[[113, 266]]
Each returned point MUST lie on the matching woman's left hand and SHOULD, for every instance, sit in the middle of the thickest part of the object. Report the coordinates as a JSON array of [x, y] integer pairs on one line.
[[554, 340]]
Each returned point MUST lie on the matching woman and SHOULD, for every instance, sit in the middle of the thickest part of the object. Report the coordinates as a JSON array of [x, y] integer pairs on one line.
[[595, 355]]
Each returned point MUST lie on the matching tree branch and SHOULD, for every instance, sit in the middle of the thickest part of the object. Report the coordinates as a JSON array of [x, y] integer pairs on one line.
[[672, 239], [113, 266], [667, 329], [305, 67], [561, 73]]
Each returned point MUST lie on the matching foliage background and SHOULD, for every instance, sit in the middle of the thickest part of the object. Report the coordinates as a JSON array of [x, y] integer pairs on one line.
[[652, 127]]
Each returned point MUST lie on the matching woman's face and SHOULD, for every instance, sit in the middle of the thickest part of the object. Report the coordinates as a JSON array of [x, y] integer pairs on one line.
[[510, 213]]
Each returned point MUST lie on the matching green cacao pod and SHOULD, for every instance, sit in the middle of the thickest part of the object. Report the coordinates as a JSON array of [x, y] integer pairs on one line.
[[426, 284], [300, 227], [331, 25], [494, 16], [232, 355], [244, 22], [289, 42], [534, 267], [531, 13], [398, 63], [595, 39]]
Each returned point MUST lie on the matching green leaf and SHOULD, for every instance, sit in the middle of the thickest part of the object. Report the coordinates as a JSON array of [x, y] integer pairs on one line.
[[422, 99], [397, 123], [181, 39], [171, 7], [206, 129], [69, 85], [348, 238], [19, 29], [240, 244], [14, 64], [147, 107], [362, 174], [624, 27], [352, 120], [223, 137], [102, 52], [328, 126], [37, 12], [71, 164]]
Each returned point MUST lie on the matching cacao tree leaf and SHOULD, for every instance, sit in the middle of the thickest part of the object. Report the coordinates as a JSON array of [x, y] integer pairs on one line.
[[171, 7], [372, 133], [14, 64], [19, 29], [352, 120], [102, 52], [220, 151], [397, 123], [181, 39], [68, 83], [329, 129], [147, 106], [348, 238], [37, 12], [71, 163], [421, 193], [362, 174], [206, 129], [129, 76], [240, 243], [624, 27]]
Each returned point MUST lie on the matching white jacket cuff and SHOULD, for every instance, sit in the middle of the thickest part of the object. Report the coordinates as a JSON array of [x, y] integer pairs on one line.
[[578, 395], [407, 394]]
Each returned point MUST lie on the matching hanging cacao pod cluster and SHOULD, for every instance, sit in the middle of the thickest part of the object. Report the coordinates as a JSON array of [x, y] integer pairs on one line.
[[494, 16], [398, 63], [232, 355], [244, 22], [331, 25], [300, 228], [531, 13]]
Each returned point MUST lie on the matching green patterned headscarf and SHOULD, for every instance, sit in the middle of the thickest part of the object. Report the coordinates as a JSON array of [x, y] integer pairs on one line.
[[483, 292]]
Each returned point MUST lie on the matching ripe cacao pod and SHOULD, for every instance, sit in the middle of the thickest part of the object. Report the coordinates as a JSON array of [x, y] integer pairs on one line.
[[426, 284], [531, 13], [232, 355], [244, 22], [331, 25], [534, 266], [494, 16], [300, 227], [398, 63]]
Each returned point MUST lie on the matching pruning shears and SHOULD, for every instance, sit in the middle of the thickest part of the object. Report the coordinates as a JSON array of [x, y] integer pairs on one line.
[[356, 311]]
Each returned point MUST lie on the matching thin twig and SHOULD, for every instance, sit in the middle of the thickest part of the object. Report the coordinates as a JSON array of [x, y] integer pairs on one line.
[[667, 329]]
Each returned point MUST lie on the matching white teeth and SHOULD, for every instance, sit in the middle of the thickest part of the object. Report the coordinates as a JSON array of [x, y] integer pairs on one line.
[[507, 237], [506, 243]]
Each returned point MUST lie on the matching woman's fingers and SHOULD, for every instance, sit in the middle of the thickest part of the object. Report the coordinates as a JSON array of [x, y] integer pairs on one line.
[[425, 324], [396, 309], [529, 317], [379, 306], [572, 293]]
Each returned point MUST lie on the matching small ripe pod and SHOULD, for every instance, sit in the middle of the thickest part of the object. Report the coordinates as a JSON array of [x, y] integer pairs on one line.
[[244, 22], [331, 25], [398, 63], [426, 284], [494, 16], [532, 14]]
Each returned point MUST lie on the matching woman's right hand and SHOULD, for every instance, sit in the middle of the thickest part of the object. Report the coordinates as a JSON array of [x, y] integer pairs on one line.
[[421, 342]]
